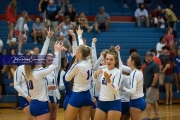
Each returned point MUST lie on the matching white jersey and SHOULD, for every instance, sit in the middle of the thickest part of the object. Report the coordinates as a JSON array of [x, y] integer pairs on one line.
[[110, 91], [136, 82], [81, 72], [125, 97], [20, 83], [38, 85]]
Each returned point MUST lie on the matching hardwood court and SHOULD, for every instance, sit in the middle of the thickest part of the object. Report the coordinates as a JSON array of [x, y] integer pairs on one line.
[[166, 113]]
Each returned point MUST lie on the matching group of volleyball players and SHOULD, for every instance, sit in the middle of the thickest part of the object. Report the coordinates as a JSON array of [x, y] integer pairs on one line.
[[96, 89]]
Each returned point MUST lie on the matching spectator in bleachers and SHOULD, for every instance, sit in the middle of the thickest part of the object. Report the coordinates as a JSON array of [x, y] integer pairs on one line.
[[159, 46], [36, 50], [155, 58], [165, 53], [63, 4], [177, 70], [171, 7], [19, 29], [83, 22], [155, 19], [11, 18], [167, 70], [133, 51], [67, 45], [141, 15], [102, 20], [72, 14], [151, 83], [169, 41], [65, 27], [171, 19], [139, 2], [42, 7], [38, 31], [52, 13], [147, 4]]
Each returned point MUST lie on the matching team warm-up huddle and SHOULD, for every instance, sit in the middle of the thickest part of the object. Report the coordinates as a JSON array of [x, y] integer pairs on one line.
[[95, 88]]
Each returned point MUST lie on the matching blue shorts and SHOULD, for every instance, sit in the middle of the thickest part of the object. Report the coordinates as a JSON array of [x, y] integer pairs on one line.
[[106, 106], [38, 108], [138, 103], [66, 101], [125, 108], [168, 79], [80, 99], [23, 102], [51, 98]]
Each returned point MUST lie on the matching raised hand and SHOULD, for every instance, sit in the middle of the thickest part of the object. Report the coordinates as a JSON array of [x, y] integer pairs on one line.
[[94, 40], [57, 46], [97, 73], [79, 31], [71, 33], [107, 76], [50, 33], [63, 49], [117, 48]]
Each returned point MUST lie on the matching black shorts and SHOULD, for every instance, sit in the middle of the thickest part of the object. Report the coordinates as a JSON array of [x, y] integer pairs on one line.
[[102, 26]]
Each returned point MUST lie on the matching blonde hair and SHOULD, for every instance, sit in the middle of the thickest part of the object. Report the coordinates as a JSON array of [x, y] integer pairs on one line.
[[12, 4], [28, 68], [168, 29], [85, 52], [26, 19]]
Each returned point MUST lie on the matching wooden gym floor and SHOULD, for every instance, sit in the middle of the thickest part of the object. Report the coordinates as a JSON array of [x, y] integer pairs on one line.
[[171, 112]]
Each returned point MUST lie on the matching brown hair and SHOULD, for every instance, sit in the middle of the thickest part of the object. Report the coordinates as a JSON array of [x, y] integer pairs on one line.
[[112, 51], [28, 68], [105, 51], [67, 16], [168, 29], [137, 60], [13, 6], [85, 51], [167, 60]]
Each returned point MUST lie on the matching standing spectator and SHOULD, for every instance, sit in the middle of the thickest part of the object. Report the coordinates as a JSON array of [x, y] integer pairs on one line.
[[38, 30], [159, 46], [83, 22], [36, 50], [151, 83], [177, 70], [42, 6], [155, 58], [72, 14], [155, 19], [11, 18], [168, 69], [171, 19], [19, 29], [165, 53], [141, 15], [52, 13], [169, 41], [102, 20], [133, 51], [65, 26], [171, 7], [67, 45]]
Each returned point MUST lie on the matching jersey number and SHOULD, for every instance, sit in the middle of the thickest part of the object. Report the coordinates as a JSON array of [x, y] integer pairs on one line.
[[104, 82], [89, 74], [30, 85]]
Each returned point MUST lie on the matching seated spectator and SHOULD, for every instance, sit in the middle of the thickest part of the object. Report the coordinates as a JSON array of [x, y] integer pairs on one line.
[[36, 50], [133, 51], [83, 22], [102, 20], [171, 19], [72, 14], [52, 13], [67, 45], [159, 46], [19, 29], [65, 26], [167, 70], [10, 50], [155, 19], [38, 31], [141, 15]]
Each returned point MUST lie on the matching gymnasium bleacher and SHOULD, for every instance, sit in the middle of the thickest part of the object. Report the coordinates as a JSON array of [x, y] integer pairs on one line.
[[125, 34]]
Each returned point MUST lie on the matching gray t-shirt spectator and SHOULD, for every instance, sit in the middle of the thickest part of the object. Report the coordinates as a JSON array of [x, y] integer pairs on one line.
[[151, 69], [66, 43], [38, 27], [20, 24], [101, 18]]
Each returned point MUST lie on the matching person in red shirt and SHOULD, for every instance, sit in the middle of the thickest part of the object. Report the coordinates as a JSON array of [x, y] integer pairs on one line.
[[11, 18], [155, 19]]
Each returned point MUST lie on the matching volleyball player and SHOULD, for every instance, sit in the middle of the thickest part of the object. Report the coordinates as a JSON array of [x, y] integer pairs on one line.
[[109, 104], [136, 80]]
